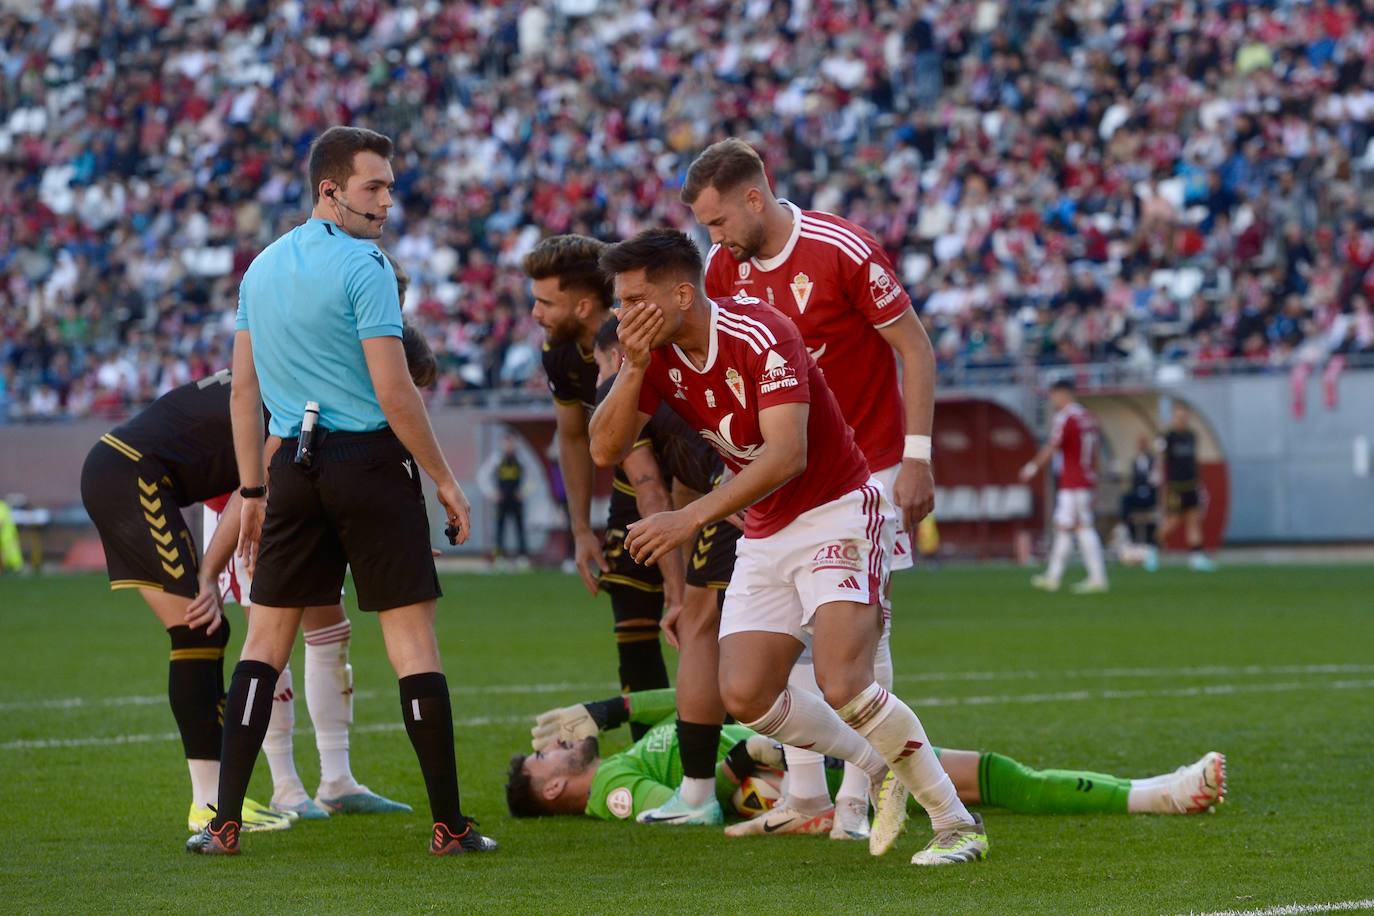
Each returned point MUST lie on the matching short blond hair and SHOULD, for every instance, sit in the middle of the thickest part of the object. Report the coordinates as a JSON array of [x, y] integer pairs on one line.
[[724, 166]]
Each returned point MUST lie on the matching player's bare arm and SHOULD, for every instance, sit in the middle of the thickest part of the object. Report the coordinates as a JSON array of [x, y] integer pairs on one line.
[[617, 422], [651, 498], [783, 457], [245, 411], [405, 412], [575, 461], [914, 491]]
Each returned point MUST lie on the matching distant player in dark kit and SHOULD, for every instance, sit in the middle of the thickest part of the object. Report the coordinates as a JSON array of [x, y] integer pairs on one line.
[[509, 477], [1183, 493], [318, 340]]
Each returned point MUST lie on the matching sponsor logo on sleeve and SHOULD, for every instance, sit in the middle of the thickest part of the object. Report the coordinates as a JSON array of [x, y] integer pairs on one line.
[[880, 283], [620, 802], [777, 374]]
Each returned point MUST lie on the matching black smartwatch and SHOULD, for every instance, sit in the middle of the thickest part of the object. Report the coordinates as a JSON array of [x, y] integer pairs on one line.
[[253, 492]]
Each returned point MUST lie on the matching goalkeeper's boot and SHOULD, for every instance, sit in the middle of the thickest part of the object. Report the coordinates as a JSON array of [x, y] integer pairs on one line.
[[1196, 788], [851, 819], [677, 813], [1089, 587], [255, 818], [444, 842], [1045, 583], [1200, 562], [783, 820], [212, 842], [358, 800], [889, 818], [964, 843]]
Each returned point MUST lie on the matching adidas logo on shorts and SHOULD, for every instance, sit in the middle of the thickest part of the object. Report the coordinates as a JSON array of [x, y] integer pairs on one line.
[[851, 582]]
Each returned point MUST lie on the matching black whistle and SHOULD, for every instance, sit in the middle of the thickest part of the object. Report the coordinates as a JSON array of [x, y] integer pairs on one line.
[[305, 444], [451, 533]]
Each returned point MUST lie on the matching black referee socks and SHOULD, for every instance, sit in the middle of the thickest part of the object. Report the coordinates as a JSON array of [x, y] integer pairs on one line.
[[428, 716], [697, 745], [247, 710], [195, 687]]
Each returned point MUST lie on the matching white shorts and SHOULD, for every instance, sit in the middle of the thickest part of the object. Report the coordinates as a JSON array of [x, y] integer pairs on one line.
[[1073, 509], [835, 552], [234, 583], [902, 555]]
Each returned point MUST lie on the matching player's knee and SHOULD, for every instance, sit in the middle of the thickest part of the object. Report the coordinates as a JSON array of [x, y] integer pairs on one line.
[[745, 698], [839, 687]]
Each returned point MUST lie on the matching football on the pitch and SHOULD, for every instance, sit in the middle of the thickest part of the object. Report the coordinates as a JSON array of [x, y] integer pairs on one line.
[[758, 793]]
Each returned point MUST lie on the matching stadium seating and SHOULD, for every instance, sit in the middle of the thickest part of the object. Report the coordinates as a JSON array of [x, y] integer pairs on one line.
[[1059, 183]]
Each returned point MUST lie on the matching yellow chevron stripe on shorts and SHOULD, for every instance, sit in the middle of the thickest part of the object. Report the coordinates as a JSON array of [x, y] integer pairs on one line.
[[134, 583], [124, 448]]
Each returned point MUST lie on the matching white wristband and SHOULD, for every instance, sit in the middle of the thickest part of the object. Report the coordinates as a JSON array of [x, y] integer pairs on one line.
[[917, 447]]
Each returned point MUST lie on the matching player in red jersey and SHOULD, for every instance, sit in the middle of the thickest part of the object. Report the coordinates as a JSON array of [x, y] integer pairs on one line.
[[835, 282], [812, 566], [1073, 446]]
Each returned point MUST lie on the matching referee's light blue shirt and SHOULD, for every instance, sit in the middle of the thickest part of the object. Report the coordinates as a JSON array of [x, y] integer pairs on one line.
[[310, 299]]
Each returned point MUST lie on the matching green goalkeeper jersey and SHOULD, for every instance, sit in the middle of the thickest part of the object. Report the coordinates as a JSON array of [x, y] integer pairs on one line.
[[644, 775]]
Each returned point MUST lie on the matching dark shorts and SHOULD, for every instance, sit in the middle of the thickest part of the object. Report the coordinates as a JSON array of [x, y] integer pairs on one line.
[[360, 506], [130, 498], [1182, 497], [713, 556], [625, 573]]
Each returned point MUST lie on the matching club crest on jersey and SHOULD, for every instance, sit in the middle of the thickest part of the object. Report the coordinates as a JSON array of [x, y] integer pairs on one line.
[[722, 442], [736, 383], [776, 374], [710, 398], [881, 285], [675, 374], [801, 290]]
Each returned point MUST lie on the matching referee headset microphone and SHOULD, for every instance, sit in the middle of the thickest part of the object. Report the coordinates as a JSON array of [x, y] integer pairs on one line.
[[329, 192]]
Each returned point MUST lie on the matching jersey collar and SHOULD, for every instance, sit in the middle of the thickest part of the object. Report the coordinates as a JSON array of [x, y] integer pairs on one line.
[[711, 346], [773, 263]]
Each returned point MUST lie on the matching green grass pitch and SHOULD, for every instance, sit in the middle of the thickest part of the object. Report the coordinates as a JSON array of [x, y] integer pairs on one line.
[[1271, 666]]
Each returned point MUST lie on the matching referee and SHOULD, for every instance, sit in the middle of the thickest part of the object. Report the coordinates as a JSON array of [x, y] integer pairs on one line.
[[319, 321]]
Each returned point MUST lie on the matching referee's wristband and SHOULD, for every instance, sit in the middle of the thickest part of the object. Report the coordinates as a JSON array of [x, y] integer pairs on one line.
[[918, 448], [253, 492]]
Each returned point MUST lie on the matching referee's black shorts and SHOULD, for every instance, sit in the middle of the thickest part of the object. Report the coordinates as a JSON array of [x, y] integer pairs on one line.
[[713, 556], [130, 498], [359, 506]]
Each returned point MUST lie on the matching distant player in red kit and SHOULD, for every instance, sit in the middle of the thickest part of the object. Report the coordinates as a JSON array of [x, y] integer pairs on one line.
[[1073, 445], [833, 279], [812, 566]]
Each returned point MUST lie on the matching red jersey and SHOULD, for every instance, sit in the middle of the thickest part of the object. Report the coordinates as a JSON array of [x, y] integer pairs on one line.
[[834, 281], [217, 504], [1075, 442], [757, 360]]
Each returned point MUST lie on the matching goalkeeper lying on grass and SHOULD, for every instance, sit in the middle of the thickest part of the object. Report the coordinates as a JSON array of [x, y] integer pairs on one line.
[[565, 775]]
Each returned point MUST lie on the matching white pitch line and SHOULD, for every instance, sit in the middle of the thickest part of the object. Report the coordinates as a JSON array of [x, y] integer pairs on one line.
[[1075, 696], [916, 677], [1298, 909]]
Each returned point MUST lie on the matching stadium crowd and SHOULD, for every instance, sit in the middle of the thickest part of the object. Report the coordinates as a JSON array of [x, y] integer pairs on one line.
[[1058, 182]]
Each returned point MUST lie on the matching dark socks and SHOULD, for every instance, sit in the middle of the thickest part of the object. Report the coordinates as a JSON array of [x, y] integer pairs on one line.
[[247, 710], [697, 744], [195, 688], [641, 663], [428, 717]]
